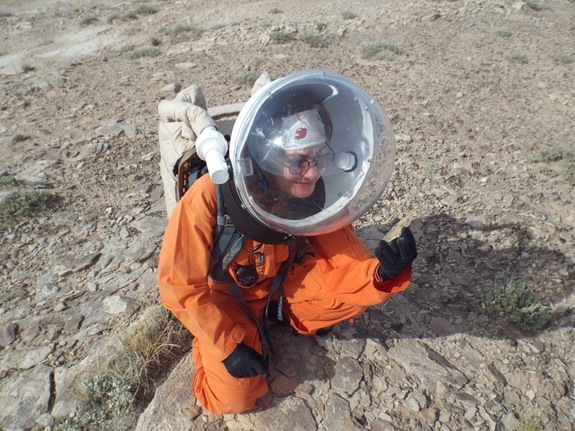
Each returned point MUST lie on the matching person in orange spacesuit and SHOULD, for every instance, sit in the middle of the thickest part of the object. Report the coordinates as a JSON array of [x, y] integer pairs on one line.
[[328, 275]]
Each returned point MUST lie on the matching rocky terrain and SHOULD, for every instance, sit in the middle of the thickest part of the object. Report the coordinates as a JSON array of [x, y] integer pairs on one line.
[[478, 92]]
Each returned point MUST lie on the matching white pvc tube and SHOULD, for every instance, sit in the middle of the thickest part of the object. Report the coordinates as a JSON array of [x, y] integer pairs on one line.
[[211, 146], [217, 167]]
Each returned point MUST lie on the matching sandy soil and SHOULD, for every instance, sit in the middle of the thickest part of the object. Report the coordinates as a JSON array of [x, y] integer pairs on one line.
[[476, 90]]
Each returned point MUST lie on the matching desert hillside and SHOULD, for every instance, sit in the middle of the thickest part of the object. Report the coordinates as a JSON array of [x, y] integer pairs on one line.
[[482, 101]]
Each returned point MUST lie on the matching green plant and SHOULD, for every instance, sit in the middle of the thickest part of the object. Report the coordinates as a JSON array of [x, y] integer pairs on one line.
[[143, 9], [7, 181], [88, 20], [108, 394], [113, 18], [246, 78], [433, 167], [128, 48], [535, 5], [371, 50], [182, 33], [144, 52], [132, 15], [146, 349], [514, 302], [567, 157], [548, 155], [16, 206], [280, 37], [275, 10], [527, 425], [104, 398], [569, 170], [314, 40], [564, 59], [518, 58], [504, 33], [146, 9], [548, 172], [348, 15]]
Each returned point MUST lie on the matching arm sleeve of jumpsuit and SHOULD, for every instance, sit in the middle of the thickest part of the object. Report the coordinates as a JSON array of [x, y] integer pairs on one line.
[[183, 270], [351, 272]]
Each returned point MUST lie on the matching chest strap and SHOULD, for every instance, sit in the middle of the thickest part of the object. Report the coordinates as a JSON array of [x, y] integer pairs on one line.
[[276, 290]]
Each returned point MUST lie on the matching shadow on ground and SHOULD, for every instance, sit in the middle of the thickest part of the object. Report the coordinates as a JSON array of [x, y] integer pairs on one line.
[[455, 262]]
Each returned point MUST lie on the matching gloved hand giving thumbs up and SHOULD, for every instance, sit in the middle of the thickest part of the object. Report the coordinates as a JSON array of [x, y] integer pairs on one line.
[[397, 255]]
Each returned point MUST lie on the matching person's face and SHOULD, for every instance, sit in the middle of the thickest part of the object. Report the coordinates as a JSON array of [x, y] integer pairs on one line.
[[302, 169]]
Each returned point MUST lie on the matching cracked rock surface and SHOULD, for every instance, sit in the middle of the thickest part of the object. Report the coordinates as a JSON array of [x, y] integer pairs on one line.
[[475, 89]]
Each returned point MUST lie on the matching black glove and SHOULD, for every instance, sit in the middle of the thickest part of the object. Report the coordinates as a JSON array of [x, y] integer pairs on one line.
[[396, 256], [246, 362]]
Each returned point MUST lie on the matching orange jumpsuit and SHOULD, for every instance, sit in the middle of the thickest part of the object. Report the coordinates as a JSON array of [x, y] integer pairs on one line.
[[335, 280]]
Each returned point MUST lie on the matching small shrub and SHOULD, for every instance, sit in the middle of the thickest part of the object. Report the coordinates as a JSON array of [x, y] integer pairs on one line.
[[504, 33], [16, 206], [145, 9], [348, 15], [518, 58], [275, 10], [527, 425], [514, 302], [157, 338], [281, 37], [130, 16], [154, 41], [182, 33], [246, 78], [569, 171], [548, 155], [128, 48], [113, 18], [371, 50], [104, 398], [147, 349], [144, 52], [7, 181], [314, 40], [548, 172], [107, 394], [433, 167], [564, 59], [535, 5], [88, 20]]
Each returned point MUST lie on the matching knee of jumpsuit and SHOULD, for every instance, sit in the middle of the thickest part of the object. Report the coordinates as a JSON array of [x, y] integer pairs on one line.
[[311, 304], [214, 387], [220, 393]]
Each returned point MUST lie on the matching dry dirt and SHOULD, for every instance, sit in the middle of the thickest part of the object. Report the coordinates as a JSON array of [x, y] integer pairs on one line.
[[476, 90]]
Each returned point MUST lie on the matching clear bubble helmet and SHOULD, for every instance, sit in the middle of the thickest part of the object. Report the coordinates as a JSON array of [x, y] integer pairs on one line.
[[345, 136]]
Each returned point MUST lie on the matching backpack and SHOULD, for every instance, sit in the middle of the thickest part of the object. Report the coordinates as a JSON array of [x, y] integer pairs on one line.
[[181, 121]]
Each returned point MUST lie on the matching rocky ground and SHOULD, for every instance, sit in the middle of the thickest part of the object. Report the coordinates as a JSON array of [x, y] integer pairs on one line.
[[476, 90]]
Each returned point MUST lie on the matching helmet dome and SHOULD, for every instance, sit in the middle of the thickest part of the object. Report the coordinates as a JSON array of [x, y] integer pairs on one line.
[[311, 119]]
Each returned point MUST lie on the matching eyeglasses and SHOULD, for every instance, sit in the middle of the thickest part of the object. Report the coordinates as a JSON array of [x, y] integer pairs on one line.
[[302, 164]]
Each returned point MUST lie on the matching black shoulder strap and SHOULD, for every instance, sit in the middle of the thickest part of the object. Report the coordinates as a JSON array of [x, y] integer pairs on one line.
[[227, 242]]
